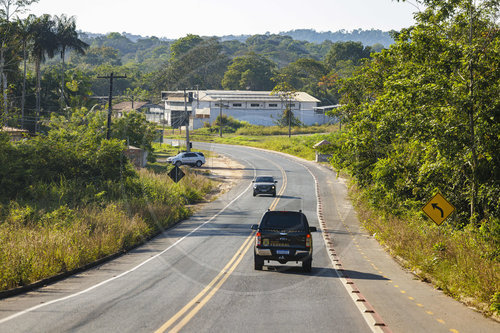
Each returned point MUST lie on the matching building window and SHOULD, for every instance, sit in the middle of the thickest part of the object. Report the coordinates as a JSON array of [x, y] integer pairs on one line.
[[273, 105], [177, 103], [237, 105], [255, 105]]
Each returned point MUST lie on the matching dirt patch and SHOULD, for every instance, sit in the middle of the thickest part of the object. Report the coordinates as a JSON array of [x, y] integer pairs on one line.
[[225, 171]]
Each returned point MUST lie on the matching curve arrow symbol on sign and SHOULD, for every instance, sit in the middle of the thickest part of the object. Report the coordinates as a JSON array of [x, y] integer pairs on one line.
[[435, 206]]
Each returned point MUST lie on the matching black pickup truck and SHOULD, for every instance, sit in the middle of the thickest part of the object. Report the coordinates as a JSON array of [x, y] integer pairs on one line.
[[283, 236]]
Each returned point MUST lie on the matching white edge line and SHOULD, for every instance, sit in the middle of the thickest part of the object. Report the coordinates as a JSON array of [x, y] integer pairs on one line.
[[367, 317], [6, 319]]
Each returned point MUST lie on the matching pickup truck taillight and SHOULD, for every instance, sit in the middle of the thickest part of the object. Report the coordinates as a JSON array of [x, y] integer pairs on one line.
[[308, 240], [258, 239]]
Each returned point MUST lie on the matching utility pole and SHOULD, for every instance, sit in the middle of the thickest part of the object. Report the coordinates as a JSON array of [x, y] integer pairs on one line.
[[197, 96], [188, 148], [220, 118], [110, 100], [289, 117]]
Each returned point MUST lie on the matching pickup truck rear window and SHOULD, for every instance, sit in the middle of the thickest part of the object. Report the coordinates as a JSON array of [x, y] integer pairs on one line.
[[264, 180], [284, 221]]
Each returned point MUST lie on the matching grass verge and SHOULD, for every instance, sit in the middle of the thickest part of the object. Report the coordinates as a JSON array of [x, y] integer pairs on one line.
[[38, 241]]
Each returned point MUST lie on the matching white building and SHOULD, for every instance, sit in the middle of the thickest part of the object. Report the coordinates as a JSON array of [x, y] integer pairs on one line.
[[254, 107]]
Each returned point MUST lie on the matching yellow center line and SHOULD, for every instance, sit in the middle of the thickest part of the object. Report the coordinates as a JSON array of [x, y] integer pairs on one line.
[[191, 308], [198, 307], [241, 251], [282, 189]]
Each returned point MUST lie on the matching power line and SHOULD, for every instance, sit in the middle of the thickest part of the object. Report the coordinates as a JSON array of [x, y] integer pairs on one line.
[[110, 101]]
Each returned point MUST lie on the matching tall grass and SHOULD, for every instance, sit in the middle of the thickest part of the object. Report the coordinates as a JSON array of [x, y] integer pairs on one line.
[[463, 263], [42, 238]]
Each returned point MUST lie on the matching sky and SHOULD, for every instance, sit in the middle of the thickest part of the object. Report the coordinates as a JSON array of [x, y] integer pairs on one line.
[[175, 19]]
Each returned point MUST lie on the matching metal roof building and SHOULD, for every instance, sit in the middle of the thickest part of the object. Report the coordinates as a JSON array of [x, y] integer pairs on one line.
[[254, 107]]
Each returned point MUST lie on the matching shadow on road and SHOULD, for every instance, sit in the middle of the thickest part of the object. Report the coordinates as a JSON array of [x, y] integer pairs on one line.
[[323, 272]]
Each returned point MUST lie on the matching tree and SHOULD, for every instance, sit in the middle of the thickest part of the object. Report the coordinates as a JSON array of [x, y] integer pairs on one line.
[[183, 45], [8, 63], [8, 8], [305, 75], [346, 51], [423, 114], [97, 56], [137, 94], [250, 72], [24, 31], [136, 131], [286, 93], [44, 45], [67, 39], [202, 65]]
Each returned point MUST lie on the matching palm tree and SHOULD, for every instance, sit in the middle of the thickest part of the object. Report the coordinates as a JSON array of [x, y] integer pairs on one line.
[[8, 8], [67, 39], [44, 45], [24, 32]]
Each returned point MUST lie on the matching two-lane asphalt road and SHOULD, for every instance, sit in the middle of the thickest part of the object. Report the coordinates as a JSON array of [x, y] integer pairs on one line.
[[199, 276]]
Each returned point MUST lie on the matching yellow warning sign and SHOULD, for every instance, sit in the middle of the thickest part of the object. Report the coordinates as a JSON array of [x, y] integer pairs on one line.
[[438, 209]]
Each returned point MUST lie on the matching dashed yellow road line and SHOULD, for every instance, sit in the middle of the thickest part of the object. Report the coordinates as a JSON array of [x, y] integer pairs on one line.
[[225, 271], [212, 292], [195, 305], [282, 188]]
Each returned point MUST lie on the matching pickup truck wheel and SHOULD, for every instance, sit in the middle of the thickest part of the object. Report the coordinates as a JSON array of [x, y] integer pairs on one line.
[[307, 265], [178, 163], [258, 262], [198, 164]]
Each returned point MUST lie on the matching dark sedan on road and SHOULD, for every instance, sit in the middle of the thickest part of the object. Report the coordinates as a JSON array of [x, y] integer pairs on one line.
[[264, 185]]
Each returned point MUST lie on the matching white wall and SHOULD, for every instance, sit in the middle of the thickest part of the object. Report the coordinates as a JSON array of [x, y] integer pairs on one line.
[[264, 117]]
